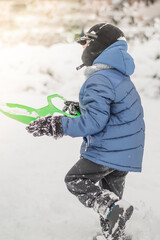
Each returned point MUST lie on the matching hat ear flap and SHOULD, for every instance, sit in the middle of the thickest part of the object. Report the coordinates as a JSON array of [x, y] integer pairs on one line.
[[91, 52]]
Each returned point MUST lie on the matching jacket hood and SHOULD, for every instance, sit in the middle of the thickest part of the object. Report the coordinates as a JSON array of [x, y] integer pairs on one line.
[[116, 55]]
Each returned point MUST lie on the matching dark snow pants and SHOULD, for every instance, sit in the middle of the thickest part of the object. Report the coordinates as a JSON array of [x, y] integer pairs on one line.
[[83, 177]]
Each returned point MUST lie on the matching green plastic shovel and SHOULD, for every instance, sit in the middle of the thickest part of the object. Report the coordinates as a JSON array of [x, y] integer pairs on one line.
[[29, 114]]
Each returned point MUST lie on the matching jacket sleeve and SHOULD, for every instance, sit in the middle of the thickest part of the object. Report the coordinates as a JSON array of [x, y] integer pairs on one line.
[[97, 97]]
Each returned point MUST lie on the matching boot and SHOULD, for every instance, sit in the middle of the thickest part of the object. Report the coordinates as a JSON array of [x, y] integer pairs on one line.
[[114, 224], [114, 214]]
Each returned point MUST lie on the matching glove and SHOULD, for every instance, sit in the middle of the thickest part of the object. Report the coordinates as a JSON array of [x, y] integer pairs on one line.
[[49, 126], [71, 107]]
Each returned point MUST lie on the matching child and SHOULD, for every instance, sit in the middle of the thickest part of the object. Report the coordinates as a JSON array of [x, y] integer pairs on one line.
[[111, 124]]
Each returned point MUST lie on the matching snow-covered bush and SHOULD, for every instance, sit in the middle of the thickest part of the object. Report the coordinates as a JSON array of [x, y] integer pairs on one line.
[[50, 22]]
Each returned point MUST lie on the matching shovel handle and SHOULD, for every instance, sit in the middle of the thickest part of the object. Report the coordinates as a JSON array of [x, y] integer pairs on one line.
[[49, 99]]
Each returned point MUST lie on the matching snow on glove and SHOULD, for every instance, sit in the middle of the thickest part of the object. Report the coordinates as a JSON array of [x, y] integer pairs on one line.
[[49, 126], [71, 107]]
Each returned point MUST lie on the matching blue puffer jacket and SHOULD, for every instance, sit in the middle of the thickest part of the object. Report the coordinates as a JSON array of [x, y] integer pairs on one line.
[[111, 123]]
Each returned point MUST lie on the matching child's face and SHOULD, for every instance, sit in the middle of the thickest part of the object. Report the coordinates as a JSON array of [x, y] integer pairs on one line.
[[87, 42]]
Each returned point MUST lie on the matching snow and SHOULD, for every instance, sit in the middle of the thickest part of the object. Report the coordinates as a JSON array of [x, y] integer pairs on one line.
[[34, 201]]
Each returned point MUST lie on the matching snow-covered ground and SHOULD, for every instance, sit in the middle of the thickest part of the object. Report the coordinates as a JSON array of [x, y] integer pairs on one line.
[[34, 201]]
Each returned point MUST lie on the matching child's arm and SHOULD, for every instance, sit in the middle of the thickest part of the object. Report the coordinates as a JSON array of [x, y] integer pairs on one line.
[[98, 95]]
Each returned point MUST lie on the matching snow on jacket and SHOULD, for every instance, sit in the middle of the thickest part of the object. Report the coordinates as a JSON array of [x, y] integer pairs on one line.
[[111, 121]]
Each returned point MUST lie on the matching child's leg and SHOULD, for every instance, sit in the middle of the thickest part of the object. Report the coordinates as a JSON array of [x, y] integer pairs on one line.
[[114, 182], [81, 181]]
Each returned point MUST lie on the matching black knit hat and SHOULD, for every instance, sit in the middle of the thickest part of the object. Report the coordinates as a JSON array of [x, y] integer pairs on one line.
[[102, 36]]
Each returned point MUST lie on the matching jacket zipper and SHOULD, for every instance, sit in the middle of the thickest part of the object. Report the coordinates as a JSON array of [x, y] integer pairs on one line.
[[87, 143], [86, 146]]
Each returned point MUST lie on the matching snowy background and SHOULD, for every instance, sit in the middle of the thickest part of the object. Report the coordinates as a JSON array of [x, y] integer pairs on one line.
[[36, 62]]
